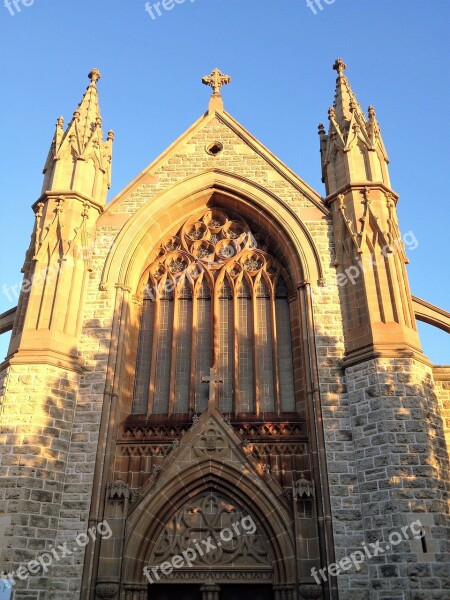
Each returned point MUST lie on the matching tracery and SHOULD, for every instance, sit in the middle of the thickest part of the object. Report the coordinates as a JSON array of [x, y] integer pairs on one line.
[[214, 295]]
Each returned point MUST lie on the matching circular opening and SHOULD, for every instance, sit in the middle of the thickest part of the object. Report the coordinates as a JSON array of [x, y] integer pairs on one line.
[[203, 250], [215, 148]]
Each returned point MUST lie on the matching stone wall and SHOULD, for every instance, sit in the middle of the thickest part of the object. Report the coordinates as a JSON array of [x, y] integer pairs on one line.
[[37, 414], [442, 388], [402, 475], [50, 422]]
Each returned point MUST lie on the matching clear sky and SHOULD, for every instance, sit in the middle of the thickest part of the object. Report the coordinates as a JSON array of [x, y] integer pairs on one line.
[[279, 55]]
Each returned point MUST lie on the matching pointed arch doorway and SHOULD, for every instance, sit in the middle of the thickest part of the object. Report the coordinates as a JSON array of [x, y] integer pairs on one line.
[[209, 521], [211, 549]]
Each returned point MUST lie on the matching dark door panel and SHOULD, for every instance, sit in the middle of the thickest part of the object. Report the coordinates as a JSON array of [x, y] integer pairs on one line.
[[246, 592], [174, 592]]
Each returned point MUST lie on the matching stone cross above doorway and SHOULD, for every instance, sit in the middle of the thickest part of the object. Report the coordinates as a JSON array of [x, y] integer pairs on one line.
[[212, 379]]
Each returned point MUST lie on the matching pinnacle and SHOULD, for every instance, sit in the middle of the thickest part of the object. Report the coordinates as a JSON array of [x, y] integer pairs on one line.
[[94, 75], [345, 102]]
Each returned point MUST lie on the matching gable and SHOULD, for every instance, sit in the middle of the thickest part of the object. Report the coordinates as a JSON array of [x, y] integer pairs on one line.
[[242, 155]]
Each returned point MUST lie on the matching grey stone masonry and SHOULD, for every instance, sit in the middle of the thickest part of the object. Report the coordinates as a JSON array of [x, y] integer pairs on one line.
[[402, 477]]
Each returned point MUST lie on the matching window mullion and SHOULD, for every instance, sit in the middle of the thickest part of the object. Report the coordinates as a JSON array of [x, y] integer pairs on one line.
[[151, 382], [194, 338], [256, 349], [236, 316], [173, 353], [276, 369]]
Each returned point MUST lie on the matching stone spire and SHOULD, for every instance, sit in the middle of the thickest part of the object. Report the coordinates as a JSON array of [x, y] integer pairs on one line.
[[76, 180], [345, 102], [79, 159], [216, 80], [368, 242], [353, 150]]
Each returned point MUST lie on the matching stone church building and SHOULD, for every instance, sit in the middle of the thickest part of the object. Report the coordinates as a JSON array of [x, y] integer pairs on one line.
[[215, 388]]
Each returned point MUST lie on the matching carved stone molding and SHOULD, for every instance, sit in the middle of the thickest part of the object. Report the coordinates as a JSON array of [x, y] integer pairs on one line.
[[107, 591], [303, 488], [118, 490], [147, 432], [269, 430], [206, 517], [156, 449], [310, 591], [218, 576], [264, 450]]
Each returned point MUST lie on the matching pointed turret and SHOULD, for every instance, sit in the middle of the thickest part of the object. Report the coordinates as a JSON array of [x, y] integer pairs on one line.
[[77, 176], [370, 256], [79, 160], [346, 105], [353, 150]]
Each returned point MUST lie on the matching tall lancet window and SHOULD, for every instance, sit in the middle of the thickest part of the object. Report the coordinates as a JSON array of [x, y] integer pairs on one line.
[[183, 346], [226, 346], [284, 347], [264, 346], [214, 298], [246, 345], [203, 345], [142, 381], [164, 334]]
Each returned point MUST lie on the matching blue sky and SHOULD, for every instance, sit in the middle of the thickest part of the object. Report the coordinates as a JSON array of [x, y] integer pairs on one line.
[[279, 54]]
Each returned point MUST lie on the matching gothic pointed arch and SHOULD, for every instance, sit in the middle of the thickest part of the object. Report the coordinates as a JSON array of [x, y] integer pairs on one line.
[[217, 293], [227, 487], [155, 219], [214, 278]]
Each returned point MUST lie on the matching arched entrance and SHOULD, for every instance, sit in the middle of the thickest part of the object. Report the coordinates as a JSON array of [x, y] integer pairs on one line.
[[209, 519], [254, 458], [212, 545]]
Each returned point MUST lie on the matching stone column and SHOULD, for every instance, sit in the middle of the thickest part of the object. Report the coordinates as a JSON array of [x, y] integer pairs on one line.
[[290, 589], [210, 592], [283, 592]]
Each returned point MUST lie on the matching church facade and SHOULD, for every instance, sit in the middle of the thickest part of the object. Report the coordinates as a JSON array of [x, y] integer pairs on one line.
[[215, 387]]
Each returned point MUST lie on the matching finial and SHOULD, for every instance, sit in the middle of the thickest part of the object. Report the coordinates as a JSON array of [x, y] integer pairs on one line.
[[94, 75], [331, 113], [321, 129], [371, 112], [60, 122], [111, 136], [339, 66], [216, 80]]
